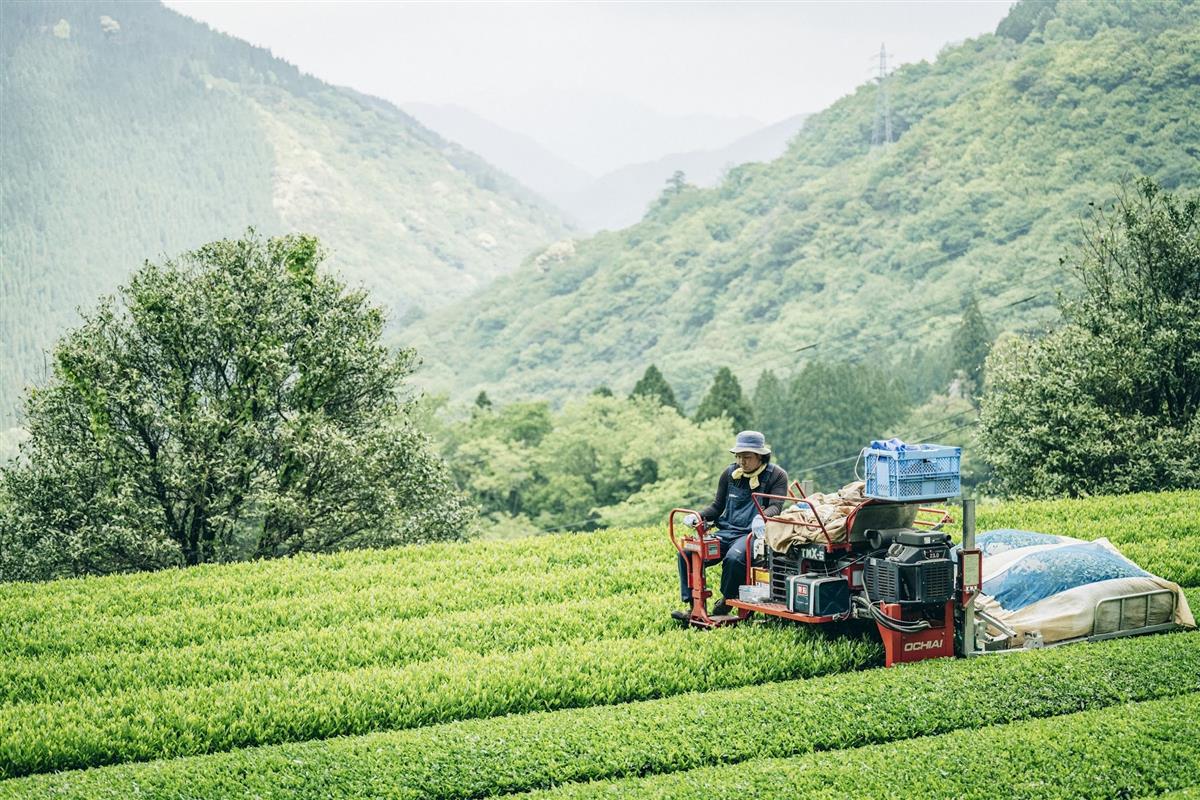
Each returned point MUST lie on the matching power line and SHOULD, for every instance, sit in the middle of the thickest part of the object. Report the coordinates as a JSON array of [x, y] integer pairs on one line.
[[831, 342], [1006, 236], [575, 524], [1055, 272], [947, 418], [1022, 300], [949, 431], [857, 347], [854, 457], [858, 455]]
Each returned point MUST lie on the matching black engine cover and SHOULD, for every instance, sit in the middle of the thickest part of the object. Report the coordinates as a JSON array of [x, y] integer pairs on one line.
[[916, 569]]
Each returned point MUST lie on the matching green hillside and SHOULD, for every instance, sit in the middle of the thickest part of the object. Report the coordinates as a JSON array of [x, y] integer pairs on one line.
[[865, 252], [551, 663], [128, 131]]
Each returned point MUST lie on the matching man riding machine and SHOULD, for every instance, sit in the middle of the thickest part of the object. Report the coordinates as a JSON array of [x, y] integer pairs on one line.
[[728, 521]]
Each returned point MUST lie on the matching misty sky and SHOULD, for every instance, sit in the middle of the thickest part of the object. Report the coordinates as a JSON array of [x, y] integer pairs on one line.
[[525, 65]]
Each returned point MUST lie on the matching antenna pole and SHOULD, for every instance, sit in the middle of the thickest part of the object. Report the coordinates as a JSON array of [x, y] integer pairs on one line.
[[882, 135]]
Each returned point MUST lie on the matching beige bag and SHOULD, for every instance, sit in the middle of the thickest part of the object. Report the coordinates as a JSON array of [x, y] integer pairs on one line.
[[832, 508]]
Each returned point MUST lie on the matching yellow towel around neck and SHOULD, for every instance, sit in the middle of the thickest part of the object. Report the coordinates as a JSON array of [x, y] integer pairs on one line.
[[739, 473]]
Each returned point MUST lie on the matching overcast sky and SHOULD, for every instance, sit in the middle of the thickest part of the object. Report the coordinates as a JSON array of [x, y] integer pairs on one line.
[[761, 60]]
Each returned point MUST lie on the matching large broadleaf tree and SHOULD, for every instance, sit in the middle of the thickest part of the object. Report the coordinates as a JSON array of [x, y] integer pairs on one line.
[[234, 402], [1110, 401]]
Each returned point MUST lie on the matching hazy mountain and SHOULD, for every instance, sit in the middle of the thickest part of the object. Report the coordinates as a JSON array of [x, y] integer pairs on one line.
[[128, 131], [519, 155], [614, 200], [601, 132], [841, 251], [620, 198]]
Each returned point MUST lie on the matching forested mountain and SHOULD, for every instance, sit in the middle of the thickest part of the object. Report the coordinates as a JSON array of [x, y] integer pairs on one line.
[[840, 250], [129, 131]]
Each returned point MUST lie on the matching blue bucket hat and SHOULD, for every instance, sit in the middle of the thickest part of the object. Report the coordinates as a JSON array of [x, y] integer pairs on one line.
[[750, 442]]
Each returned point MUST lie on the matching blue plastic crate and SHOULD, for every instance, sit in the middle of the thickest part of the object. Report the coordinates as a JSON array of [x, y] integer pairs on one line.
[[918, 472]]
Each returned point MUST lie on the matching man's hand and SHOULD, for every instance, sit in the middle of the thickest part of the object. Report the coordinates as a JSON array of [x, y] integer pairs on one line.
[[757, 526], [691, 520]]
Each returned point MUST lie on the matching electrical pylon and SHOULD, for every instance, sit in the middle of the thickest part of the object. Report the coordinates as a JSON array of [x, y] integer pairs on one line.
[[882, 135]]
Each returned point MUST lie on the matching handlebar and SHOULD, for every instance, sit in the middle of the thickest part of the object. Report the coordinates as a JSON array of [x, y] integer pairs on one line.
[[700, 528]]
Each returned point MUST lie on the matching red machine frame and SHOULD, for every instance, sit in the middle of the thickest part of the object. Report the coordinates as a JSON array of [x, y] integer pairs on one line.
[[697, 552]]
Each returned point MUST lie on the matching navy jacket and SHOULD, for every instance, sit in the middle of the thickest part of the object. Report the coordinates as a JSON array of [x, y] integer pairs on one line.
[[733, 508]]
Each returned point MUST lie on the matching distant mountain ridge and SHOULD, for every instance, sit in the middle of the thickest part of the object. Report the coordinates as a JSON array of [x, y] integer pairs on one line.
[[620, 198], [519, 155], [842, 251], [615, 199], [130, 131], [602, 132]]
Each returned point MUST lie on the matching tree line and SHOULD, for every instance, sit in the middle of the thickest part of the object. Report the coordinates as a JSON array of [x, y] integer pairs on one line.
[[238, 402]]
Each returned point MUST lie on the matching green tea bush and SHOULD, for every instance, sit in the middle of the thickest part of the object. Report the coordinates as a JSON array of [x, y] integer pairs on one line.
[[375, 642], [1123, 751], [476, 758], [59, 636], [1160, 532], [158, 723], [147, 594], [407, 643]]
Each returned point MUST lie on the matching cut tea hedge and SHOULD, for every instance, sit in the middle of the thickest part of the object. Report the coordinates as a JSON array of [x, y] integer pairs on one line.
[[29, 628], [1132, 749], [522, 752], [158, 723], [1160, 532], [374, 642], [463, 670]]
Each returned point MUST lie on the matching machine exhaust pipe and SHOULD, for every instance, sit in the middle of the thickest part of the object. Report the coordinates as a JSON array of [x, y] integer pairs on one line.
[[968, 646]]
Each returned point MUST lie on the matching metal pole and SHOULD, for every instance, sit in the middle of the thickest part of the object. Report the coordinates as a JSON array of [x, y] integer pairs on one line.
[[806, 486], [968, 543]]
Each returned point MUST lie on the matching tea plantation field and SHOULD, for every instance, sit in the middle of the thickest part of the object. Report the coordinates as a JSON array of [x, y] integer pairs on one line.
[[549, 667]]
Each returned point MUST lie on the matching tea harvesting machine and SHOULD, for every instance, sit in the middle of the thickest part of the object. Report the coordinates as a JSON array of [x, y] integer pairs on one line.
[[888, 562]]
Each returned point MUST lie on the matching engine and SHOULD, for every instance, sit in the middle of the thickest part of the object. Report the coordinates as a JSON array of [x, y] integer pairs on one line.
[[917, 567]]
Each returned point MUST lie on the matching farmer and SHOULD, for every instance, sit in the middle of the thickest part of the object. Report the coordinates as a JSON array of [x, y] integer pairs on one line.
[[735, 514]]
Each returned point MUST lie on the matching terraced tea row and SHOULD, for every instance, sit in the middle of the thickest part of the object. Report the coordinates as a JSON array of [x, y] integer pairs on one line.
[[61, 635], [474, 758], [1123, 751], [574, 626], [1159, 531], [1175, 560], [1171, 519], [395, 591], [1130, 517], [356, 644], [304, 575], [159, 723]]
